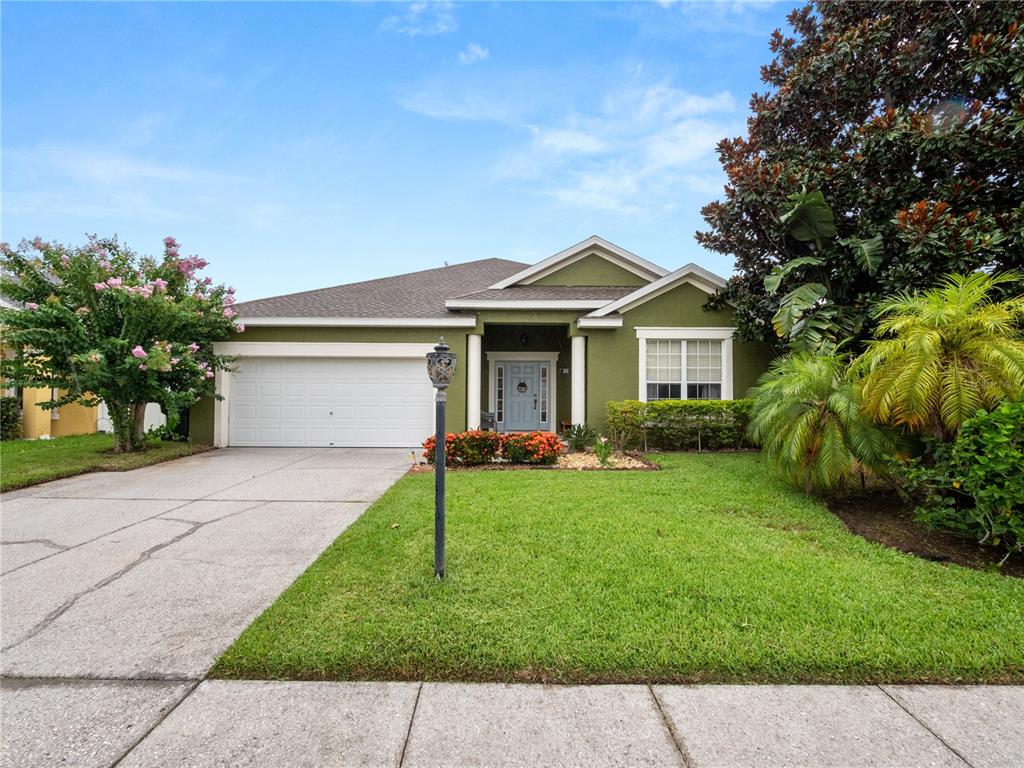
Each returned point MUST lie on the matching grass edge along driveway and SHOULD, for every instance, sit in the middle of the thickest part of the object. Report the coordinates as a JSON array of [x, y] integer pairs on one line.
[[708, 571], [30, 462]]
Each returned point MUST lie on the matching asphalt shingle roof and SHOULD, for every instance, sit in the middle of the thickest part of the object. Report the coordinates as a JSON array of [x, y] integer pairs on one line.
[[417, 294], [549, 293]]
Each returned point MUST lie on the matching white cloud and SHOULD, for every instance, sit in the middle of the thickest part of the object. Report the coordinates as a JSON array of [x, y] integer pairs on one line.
[[423, 18], [638, 153], [641, 147], [567, 141], [96, 184], [473, 53]]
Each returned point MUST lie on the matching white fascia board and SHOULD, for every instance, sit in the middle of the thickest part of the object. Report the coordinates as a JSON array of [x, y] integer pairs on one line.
[[599, 322], [699, 277], [524, 304], [651, 332], [319, 349], [628, 260], [364, 322]]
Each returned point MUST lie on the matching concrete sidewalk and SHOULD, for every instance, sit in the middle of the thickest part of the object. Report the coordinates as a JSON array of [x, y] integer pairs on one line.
[[251, 723]]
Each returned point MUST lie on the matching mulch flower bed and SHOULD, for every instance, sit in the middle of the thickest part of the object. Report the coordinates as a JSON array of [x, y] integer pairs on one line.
[[574, 460], [886, 519], [588, 460]]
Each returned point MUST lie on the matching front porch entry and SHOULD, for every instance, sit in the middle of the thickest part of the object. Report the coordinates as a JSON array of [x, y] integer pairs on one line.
[[525, 377]]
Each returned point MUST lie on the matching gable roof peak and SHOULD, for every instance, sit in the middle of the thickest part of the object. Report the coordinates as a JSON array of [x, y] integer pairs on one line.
[[691, 273], [595, 244]]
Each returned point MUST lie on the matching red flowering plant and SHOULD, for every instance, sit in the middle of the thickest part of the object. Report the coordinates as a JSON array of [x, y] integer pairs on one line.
[[430, 445], [479, 447], [531, 447], [466, 448]]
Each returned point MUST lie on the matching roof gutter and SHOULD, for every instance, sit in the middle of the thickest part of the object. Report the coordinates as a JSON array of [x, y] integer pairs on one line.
[[362, 322], [525, 303]]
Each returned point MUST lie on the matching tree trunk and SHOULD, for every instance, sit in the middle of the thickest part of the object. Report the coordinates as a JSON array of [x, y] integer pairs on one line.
[[138, 426], [121, 421]]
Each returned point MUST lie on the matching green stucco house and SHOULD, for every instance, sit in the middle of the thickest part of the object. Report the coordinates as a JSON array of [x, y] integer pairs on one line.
[[539, 347]]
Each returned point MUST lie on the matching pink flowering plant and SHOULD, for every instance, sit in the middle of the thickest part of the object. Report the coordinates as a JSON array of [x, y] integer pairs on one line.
[[101, 323]]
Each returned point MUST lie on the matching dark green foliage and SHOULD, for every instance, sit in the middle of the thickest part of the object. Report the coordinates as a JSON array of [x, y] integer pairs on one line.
[[975, 485], [10, 418], [580, 437], [679, 425], [906, 118]]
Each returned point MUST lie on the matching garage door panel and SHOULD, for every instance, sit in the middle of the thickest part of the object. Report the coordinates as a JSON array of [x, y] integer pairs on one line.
[[380, 402], [268, 367]]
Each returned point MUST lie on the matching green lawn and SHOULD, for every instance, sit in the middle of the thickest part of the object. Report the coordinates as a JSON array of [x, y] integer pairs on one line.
[[27, 462], [709, 570]]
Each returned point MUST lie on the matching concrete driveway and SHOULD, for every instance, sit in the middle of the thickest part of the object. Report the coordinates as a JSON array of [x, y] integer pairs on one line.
[[141, 579]]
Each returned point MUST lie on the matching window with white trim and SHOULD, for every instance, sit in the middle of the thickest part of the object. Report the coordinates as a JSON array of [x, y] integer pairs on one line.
[[667, 378]]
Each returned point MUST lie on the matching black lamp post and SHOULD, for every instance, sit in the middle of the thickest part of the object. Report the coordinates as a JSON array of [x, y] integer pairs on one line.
[[441, 369]]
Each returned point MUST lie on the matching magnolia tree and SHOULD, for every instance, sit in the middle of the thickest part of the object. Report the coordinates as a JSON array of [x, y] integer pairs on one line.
[[101, 323]]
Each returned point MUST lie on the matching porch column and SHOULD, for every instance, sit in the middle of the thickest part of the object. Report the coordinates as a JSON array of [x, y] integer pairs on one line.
[[473, 382], [578, 367]]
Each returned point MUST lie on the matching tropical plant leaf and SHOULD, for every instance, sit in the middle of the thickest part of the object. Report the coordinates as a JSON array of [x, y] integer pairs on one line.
[[810, 218], [774, 278], [794, 304], [868, 252]]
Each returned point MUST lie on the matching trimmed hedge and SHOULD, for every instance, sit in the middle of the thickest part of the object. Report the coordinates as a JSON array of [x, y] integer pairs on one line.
[[679, 425]]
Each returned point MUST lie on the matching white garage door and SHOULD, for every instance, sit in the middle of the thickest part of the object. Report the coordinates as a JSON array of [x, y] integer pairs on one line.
[[360, 402]]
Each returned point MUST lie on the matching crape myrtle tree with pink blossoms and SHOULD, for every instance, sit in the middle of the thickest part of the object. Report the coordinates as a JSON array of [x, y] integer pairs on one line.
[[101, 323]]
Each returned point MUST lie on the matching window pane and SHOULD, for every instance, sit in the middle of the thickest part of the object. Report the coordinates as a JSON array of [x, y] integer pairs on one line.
[[500, 387], [704, 391], [703, 362]]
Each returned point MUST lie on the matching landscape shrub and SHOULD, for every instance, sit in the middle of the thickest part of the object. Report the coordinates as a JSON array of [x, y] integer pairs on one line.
[[10, 418], [679, 425], [531, 447], [466, 448], [478, 447], [580, 437], [626, 420], [975, 485]]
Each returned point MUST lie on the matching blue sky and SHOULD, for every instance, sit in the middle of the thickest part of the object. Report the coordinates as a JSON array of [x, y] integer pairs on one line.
[[296, 146]]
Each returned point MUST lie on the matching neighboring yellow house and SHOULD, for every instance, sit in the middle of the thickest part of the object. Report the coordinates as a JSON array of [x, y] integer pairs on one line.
[[72, 419]]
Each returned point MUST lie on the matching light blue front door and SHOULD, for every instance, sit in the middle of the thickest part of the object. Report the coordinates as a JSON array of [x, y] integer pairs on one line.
[[525, 402]]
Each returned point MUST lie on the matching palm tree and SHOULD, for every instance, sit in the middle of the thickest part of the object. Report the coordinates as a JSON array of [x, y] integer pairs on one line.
[[808, 420], [943, 354]]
